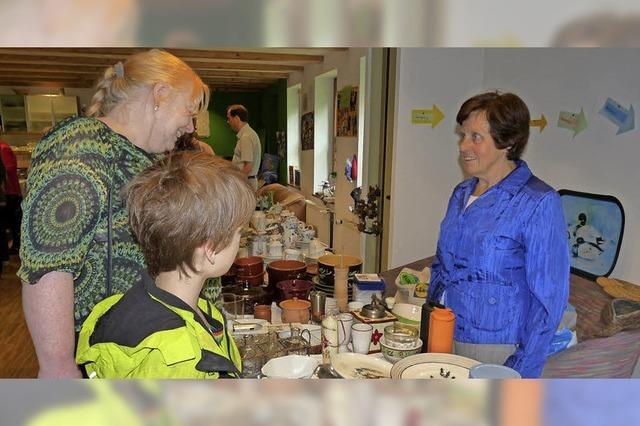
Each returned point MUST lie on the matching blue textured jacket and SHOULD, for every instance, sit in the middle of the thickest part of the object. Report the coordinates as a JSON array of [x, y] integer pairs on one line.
[[503, 266]]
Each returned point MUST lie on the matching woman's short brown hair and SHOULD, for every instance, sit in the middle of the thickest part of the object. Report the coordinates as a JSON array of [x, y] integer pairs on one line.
[[183, 202], [508, 118]]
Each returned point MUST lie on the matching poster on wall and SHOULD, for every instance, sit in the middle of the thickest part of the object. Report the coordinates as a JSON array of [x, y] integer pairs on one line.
[[595, 225], [306, 131], [347, 112]]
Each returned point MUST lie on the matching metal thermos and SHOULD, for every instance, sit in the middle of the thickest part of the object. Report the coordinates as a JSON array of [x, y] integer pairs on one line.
[[427, 308], [318, 301]]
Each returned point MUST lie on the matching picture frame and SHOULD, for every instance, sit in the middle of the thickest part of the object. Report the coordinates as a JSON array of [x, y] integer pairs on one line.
[[347, 112], [595, 227], [306, 131]]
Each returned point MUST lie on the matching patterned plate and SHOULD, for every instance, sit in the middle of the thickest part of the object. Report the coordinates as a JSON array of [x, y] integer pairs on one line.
[[359, 366], [433, 366]]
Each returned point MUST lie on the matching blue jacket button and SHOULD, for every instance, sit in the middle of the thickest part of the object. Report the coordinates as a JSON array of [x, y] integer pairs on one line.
[[492, 300]]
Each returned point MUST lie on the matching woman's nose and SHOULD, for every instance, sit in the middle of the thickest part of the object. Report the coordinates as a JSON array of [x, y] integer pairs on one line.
[[190, 128], [465, 143]]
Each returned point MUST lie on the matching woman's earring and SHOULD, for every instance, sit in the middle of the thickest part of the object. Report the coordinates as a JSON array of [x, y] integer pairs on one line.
[[155, 107]]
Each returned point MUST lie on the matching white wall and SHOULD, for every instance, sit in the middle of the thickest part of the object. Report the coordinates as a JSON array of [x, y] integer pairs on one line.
[[425, 168], [347, 65]]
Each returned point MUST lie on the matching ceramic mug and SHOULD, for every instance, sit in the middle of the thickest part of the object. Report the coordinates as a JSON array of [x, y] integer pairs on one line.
[[307, 235], [275, 248], [259, 221], [316, 248], [361, 337], [344, 331], [292, 254], [290, 238]]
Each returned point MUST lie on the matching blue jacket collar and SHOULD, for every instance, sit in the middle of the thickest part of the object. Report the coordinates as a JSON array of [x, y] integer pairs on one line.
[[512, 183]]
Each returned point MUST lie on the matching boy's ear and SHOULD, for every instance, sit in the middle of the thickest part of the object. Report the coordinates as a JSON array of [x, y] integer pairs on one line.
[[210, 253]]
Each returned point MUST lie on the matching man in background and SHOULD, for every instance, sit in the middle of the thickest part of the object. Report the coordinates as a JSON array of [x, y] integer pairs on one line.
[[248, 151]]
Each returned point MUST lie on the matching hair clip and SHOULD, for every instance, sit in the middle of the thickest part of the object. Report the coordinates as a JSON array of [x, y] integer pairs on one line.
[[119, 68]]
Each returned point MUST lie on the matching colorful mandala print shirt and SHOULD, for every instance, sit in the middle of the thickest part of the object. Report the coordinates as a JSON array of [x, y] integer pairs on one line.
[[65, 224]]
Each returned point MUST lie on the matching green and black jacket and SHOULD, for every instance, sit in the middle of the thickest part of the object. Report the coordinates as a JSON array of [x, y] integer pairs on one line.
[[150, 333]]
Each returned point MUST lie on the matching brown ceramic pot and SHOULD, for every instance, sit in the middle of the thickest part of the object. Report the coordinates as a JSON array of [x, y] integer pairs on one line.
[[252, 280], [248, 266], [295, 310], [262, 312]]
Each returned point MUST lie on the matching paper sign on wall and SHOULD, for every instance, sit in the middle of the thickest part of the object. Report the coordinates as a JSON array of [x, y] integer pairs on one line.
[[431, 116]]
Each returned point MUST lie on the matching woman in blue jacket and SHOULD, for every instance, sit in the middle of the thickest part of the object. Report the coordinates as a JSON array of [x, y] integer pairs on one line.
[[502, 262]]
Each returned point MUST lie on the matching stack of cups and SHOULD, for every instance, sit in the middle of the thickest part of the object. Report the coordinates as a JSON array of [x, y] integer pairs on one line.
[[341, 289], [329, 337]]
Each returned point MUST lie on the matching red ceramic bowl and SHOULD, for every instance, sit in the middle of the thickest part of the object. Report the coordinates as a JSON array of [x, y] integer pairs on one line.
[[248, 266], [289, 289], [282, 270], [252, 280]]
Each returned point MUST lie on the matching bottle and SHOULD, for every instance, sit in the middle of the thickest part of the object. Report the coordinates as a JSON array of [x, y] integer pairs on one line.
[[424, 325], [329, 337], [441, 326]]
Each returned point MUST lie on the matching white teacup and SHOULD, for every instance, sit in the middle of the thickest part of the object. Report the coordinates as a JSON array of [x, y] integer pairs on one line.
[[316, 248], [275, 248], [361, 337], [292, 254]]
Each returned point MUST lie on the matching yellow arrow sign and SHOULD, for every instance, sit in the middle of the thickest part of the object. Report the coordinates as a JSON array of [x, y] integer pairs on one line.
[[427, 116], [541, 123]]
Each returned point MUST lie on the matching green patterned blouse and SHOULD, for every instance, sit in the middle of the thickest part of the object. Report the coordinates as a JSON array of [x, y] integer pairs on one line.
[[66, 215]]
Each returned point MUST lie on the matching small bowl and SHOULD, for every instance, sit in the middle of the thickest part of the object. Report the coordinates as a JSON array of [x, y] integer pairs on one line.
[[393, 353], [400, 334], [408, 313], [290, 367]]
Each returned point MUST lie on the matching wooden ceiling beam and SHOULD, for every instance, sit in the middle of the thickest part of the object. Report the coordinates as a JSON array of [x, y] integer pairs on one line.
[[185, 54], [99, 65], [45, 83], [53, 68], [244, 74], [238, 81], [45, 74]]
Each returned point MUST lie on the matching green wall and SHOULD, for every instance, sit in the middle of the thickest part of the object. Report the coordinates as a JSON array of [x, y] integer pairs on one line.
[[267, 114]]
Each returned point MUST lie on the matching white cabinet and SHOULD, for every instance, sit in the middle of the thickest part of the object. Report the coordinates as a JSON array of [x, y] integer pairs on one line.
[[12, 112], [46, 110]]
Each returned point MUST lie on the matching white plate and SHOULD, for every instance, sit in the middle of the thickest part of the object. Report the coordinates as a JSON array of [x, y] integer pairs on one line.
[[359, 366], [433, 366]]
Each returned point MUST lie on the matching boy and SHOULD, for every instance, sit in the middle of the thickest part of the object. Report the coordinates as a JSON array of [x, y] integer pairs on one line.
[[186, 212]]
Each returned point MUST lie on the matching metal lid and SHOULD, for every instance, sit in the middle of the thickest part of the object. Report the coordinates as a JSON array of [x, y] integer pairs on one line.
[[373, 311]]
